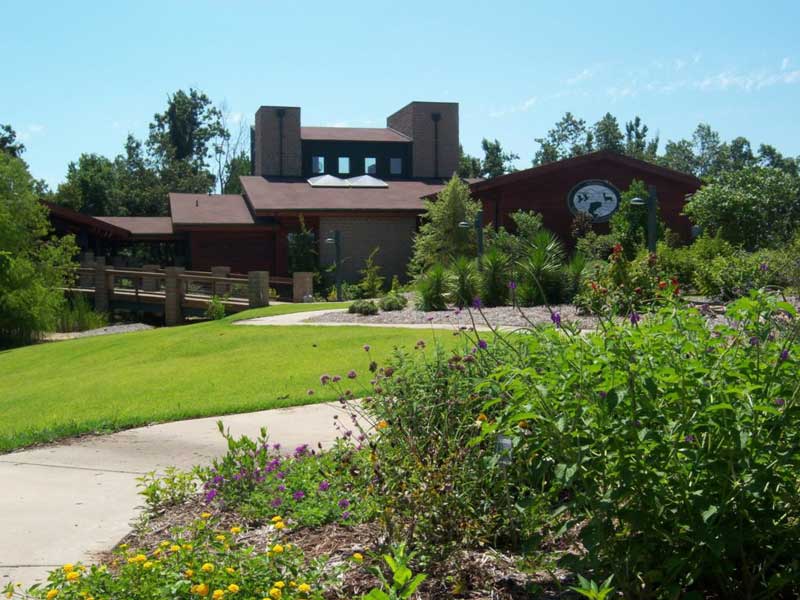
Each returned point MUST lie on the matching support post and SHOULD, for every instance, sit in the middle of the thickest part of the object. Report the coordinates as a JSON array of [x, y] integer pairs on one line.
[[103, 288], [258, 288], [150, 284], [220, 289], [302, 286], [87, 262], [173, 296]]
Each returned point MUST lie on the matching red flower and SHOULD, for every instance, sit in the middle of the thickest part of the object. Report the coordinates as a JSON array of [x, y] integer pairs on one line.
[[662, 285]]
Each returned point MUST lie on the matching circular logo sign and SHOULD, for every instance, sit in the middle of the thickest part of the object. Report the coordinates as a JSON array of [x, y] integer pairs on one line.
[[595, 197]]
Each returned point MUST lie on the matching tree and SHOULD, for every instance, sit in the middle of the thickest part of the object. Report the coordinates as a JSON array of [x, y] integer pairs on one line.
[[739, 154], [768, 156], [709, 152], [568, 138], [679, 156], [228, 150], [238, 166], [636, 143], [440, 238], [607, 135], [90, 186], [139, 190], [755, 207], [33, 269], [496, 162], [469, 167], [9, 143]]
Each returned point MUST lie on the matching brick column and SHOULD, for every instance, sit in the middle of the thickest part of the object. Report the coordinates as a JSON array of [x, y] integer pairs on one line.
[[87, 262], [258, 288], [102, 286], [173, 296], [150, 284], [302, 286], [220, 289]]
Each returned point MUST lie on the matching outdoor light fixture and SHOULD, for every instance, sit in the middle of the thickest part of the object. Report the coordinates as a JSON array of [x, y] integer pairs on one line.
[[478, 225], [651, 202], [336, 240]]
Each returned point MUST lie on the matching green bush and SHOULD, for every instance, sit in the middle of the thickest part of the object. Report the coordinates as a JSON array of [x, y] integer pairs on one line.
[[363, 307], [669, 445], [215, 309], [494, 278], [462, 282], [302, 250], [543, 277], [371, 284], [77, 314], [431, 288], [392, 302], [595, 246]]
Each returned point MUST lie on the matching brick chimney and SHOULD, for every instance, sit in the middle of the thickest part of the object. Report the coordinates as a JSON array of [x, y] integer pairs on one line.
[[276, 145], [433, 128]]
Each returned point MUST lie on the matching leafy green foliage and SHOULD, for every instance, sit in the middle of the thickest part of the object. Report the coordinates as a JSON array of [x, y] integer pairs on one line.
[[371, 283], [215, 309], [593, 591], [302, 250], [494, 277], [171, 488], [77, 314], [629, 223], [754, 208], [542, 280], [363, 307], [462, 282], [401, 582], [392, 302], [431, 289]]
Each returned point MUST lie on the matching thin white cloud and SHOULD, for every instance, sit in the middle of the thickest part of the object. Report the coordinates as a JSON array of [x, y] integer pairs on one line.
[[523, 106], [785, 63], [34, 129], [748, 82], [584, 75]]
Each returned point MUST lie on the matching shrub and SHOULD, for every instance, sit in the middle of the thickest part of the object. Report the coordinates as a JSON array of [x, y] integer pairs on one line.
[[169, 489], [494, 278], [363, 307], [668, 444], [215, 309], [393, 302], [542, 271], [595, 246], [371, 284], [302, 250], [431, 289], [77, 314], [462, 282]]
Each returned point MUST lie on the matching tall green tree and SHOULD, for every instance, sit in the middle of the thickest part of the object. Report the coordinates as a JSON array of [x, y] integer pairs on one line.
[[9, 143], [768, 156], [607, 134], [469, 167], [570, 137], [440, 238], [637, 144], [90, 186], [238, 166], [679, 156], [496, 161]]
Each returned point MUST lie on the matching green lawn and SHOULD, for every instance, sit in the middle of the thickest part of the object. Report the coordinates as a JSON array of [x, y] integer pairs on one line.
[[104, 383]]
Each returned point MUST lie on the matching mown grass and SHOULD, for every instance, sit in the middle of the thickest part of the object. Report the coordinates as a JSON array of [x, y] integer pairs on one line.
[[106, 383]]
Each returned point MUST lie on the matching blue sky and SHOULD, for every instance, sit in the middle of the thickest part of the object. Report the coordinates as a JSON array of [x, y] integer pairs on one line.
[[77, 77]]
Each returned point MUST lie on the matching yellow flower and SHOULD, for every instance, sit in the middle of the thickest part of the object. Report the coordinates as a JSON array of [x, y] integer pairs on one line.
[[139, 558], [51, 594], [230, 570], [201, 589], [219, 538], [482, 417], [73, 575], [189, 573], [292, 584], [280, 525], [123, 546], [233, 588], [277, 548], [68, 567], [358, 557], [279, 584], [304, 588], [175, 548], [205, 515], [235, 530], [277, 518], [217, 594], [382, 425], [157, 552], [147, 565], [275, 593], [187, 546], [208, 568], [164, 544]]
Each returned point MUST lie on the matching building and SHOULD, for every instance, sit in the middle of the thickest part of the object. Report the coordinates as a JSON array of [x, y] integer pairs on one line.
[[366, 183]]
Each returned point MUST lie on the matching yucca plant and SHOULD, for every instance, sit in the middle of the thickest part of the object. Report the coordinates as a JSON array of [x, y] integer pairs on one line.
[[543, 271], [462, 281], [431, 289], [494, 277], [574, 271]]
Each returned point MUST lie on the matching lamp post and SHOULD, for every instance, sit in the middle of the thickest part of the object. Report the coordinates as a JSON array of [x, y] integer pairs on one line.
[[478, 225], [651, 202], [336, 240]]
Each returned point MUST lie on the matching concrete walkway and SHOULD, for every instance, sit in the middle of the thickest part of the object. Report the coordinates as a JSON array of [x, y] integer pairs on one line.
[[302, 318], [64, 502]]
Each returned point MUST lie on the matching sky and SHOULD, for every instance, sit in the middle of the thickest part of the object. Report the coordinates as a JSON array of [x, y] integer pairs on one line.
[[79, 76]]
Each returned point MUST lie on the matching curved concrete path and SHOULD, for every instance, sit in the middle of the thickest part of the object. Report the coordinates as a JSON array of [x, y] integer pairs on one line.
[[63, 502]]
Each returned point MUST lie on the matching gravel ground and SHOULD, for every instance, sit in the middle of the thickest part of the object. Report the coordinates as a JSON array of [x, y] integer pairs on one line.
[[122, 328], [503, 316]]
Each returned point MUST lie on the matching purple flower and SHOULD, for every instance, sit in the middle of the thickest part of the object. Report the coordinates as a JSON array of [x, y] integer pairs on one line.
[[602, 395], [689, 439], [324, 485], [754, 341], [276, 502], [429, 319], [512, 285], [345, 515], [635, 318], [420, 344], [301, 450], [476, 302], [784, 354], [779, 402], [344, 503], [482, 344], [211, 495], [556, 319], [298, 495], [351, 374], [324, 379], [336, 379], [276, 447], [366, 347], [280, 474], [764, 267], [281, 488], [310, 392]]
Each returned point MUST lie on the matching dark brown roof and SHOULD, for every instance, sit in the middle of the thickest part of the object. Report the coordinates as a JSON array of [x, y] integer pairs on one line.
[[602, 155], [95, 224], [353, 134], [279, 195], [206, 209], [141, 225]]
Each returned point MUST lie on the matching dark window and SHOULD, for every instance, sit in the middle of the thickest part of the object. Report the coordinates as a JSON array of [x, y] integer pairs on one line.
[[317, 164], [344, 165], [395, 166], [370, 166]]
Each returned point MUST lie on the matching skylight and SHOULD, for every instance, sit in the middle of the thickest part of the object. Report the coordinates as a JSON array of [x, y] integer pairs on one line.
[[367, 181], [362, 181], [328, 181]]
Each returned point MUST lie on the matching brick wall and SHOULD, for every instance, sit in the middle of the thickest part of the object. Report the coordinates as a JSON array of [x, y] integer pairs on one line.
[[360, 236], [267, 144], [416, 121]]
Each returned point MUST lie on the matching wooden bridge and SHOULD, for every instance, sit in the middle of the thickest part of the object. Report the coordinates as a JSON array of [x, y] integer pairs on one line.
[[176, 293]]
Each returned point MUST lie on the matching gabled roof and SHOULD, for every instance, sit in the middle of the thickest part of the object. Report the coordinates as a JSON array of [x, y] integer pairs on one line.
[[98, 225], [353, 134], [584, 159], [141, 225], [208, 209], [269, 195]]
